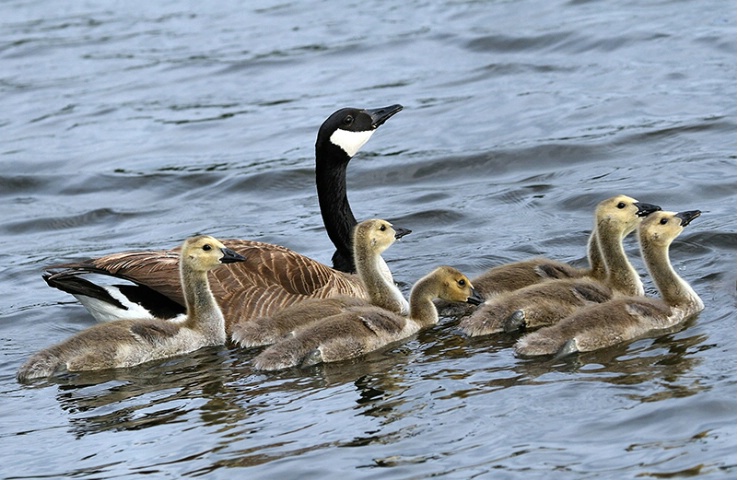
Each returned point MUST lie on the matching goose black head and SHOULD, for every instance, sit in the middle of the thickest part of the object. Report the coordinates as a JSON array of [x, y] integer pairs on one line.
[[350, 128]]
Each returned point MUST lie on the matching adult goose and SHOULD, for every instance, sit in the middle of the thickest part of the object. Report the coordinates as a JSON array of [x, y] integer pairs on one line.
[[362, 330], [627, 318], [371, 238], [125, 343], [545, 303], [271, 278]]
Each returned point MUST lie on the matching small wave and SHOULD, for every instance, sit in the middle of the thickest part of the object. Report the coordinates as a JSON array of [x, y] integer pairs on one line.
[[46, 224]]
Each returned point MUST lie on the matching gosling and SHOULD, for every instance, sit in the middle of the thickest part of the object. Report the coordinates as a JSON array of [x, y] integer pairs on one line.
[[545, 303], [357, 332], [125, 343], [627, 318]]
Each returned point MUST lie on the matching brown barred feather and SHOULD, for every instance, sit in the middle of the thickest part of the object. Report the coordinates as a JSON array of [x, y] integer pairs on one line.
[[271, 278]]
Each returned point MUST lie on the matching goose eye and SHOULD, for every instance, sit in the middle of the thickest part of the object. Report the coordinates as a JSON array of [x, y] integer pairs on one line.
[[206, 247], [382, 228], [462, 283], [663, 221], [621, 205], [348, 120]]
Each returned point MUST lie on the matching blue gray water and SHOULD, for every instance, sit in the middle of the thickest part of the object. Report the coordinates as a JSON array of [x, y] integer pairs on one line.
[[132, 125]]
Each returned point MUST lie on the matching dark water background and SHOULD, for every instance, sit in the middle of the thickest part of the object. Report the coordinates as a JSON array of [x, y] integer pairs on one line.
[[131, 125]]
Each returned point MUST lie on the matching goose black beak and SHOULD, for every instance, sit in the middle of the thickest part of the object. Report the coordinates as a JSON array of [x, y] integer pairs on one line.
[[381, 115], [230, 256], [475, 298], [400, 232], [687, 216], [645, 209]]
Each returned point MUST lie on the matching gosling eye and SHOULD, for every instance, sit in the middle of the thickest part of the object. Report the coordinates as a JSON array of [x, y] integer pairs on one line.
[[462, 282], [621, 205], [382, 228], [348, 120], [206, 247], [663, 221]]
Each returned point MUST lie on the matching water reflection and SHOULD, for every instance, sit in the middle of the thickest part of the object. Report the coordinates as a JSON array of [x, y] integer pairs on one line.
[[147, 396], [651, 360], [220, 387], [384, 398], [487, 363]]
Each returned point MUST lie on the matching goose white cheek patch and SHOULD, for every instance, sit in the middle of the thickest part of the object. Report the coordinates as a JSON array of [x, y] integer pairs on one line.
[[350, 142]]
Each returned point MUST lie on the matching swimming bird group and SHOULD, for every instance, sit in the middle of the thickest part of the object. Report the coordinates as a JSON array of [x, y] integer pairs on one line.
[[172, 302]]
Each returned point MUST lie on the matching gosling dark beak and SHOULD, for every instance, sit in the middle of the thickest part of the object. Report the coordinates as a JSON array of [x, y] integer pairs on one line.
[[230, 256], [687, 216], [381, 115], [645, 209], [475, 298], [400, 232]]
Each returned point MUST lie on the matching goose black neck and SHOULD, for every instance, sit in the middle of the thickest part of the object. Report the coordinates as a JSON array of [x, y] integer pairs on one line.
[[330, 171]]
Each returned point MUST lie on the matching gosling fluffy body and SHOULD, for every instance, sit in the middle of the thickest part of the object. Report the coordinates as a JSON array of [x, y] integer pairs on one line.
[[627, 318], [125, 343], [357, 332], [545, 303]]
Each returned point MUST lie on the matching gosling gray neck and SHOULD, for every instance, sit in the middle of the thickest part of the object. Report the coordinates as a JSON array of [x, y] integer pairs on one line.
[[422, 310], [674, 290], [596, 261], [203, 312], [621, 275], [378, 280]]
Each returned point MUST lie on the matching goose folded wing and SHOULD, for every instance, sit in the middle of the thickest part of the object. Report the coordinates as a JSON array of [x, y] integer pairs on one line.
[[269, 271], [158, 270]]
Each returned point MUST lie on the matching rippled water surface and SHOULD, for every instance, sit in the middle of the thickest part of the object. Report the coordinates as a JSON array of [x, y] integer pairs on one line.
[[132, 125]]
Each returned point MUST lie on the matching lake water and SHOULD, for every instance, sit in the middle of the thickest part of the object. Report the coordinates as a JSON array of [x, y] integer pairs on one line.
[[132, 125]]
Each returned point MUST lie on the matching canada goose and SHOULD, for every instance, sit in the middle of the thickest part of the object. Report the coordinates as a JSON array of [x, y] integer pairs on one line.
[[125, 343], [271, 278], [545, 303], [359, 331], [371, 238], [626, 318]]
